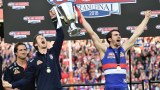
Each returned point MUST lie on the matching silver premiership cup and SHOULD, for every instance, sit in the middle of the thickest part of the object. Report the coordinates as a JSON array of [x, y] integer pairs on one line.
[[67, 13]]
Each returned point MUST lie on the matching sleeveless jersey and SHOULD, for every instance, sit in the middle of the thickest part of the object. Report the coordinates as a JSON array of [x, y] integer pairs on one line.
[[114, 77]]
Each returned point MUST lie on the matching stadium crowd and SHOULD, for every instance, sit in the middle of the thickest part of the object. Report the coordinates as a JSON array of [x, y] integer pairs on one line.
[[86, 63]]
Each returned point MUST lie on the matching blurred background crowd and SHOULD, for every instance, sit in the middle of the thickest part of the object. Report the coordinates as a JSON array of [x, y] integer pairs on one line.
[[86, 63]]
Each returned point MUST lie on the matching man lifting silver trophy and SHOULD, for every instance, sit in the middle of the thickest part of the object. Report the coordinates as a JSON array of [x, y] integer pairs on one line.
[[66, 12]]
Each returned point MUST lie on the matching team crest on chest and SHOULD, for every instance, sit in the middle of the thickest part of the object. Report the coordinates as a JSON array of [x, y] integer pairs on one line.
[[39, 62], [16, 70], [51, 56], [111, 55], [121, 54]]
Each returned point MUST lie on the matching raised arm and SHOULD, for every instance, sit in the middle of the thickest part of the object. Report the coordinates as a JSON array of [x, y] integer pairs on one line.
[[59, 34], [139, 30], [58, 42], [96, 40]]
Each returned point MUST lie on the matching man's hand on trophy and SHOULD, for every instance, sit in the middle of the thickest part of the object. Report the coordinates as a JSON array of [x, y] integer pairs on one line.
[[52, 14], [53, 17]]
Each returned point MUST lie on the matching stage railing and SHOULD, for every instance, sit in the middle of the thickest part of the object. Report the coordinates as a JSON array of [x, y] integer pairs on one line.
[[99, 84], [150, 82]]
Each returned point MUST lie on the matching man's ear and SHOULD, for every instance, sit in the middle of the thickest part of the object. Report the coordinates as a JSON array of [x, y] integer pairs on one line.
[[36, 44], [109, 39], [15, 53]]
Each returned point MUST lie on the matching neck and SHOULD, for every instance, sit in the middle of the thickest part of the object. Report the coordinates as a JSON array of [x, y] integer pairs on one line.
[[114, 46], [21, 62], [42, 51]]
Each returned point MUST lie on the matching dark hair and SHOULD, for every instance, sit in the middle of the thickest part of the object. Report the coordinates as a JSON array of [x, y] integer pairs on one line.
[[35, 41], [109, 35], [16, 46]]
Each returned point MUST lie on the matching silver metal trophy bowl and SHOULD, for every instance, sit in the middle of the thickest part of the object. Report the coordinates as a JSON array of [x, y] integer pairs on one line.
[[67, 13]]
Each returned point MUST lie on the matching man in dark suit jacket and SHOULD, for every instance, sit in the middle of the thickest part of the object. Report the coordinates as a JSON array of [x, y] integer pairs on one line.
[[1, 59]]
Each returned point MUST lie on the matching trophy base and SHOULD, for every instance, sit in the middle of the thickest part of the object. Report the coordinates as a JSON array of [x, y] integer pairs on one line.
[[75, 32]]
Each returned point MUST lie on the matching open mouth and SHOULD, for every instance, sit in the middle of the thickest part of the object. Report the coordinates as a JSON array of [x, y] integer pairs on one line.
[[118, 40], [43, 42]]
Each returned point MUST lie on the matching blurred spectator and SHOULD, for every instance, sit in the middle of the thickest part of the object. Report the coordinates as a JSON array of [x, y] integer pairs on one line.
[[1, 87]]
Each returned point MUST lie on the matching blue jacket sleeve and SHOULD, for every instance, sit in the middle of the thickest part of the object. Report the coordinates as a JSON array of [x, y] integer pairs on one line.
[[58, 42], [29, 76], [57, 46]]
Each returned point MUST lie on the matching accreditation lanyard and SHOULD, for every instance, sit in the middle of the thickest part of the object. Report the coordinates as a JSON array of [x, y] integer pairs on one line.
[[116, 55], [48, 70]]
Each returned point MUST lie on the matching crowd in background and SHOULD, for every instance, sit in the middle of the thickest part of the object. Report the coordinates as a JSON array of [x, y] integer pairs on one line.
[[86, 63]]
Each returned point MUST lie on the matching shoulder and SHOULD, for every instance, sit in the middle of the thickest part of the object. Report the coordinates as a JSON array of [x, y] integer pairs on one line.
[[122, 49], [32, 61], [14, 64], [108, 49], [9, 70]]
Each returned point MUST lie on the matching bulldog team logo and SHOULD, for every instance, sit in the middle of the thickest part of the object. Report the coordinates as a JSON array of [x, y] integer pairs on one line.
[[18, 5], [96, 8], [121, 54], [111, 55], [16, 72]]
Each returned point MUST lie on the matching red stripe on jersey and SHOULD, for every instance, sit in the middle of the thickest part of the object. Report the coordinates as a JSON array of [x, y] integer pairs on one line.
[[110, 65]]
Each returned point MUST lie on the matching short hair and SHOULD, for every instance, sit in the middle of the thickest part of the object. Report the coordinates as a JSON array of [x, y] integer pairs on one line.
[[16, 46], [35, 41], [109, 35]]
